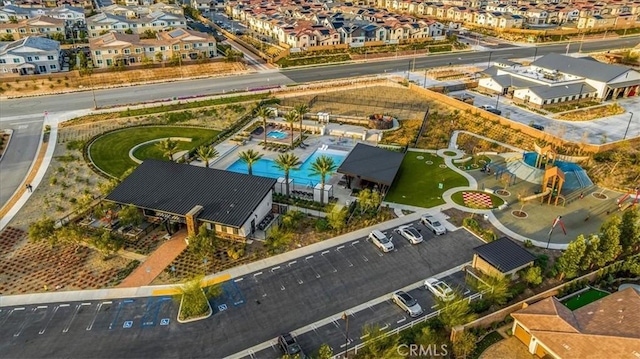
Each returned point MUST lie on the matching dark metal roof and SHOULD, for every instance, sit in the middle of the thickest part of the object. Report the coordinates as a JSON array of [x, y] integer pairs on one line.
[[504, 254], [227, 198], [372, 164], [589, 69]]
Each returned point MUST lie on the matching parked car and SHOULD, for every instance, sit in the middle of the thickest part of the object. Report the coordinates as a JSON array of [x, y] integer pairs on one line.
[[409, 233], [491, 109], [290, 346], [439, 288], [408, 303], [434, 225], [537, 127], [381, 241]]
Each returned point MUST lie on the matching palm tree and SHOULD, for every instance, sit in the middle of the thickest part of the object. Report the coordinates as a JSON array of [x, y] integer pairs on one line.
[[207, 153], [301, 109], [290, 118], [264, 112], [286, 162], [250, 157], [323, 166], [168, 147]]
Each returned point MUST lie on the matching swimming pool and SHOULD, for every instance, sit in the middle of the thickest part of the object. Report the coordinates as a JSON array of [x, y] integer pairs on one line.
[[575, 177], [303, 176], [277, 135]]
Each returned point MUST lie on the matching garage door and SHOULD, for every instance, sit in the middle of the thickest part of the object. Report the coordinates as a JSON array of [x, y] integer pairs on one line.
[[540, 351], [522, 334]]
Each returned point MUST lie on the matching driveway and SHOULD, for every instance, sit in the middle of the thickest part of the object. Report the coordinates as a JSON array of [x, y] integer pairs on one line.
[[599, 131], [253, 309]]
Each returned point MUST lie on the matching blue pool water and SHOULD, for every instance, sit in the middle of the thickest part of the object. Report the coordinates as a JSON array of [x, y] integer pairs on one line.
[[276, 134], [575, 177], [303, 176]]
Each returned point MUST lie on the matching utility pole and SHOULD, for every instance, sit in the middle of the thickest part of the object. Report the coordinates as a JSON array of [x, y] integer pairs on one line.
[[629, 124], [345, 317], [581, 41]]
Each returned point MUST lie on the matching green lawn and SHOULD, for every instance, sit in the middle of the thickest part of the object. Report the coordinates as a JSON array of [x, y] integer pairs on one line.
[[416, 183], [151, 150], [485, 343], [496, 201], [110, 152], [584, 298]]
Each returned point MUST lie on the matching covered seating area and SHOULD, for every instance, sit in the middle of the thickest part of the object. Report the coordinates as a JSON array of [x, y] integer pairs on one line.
[[371, 166]]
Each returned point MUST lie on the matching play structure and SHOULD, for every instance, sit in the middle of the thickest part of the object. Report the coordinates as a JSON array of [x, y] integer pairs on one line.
[[552, 183], [622, 202]]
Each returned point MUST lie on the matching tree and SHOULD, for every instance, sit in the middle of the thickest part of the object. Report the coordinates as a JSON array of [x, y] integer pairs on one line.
[[204, 243], [609, 245], [107, 186], [57, 36], [250, 157], [325, 352], [193, 300], [106, 243], [13, 20], [569, 262], [147, 62], [168, 147], [291, 219], [148, 34], [287, 162], [456, 311], [207, 153], [301, 110], [130, 215], [533, 276], [159, 57], [6, 37], [264, 113], [323, 166], [337, 217], [591, 254], [464, 344], [630, 230], [43, 230], [497, 289], [278, 240], [291, 117], [128, 31], [369, 200], [70, 234]]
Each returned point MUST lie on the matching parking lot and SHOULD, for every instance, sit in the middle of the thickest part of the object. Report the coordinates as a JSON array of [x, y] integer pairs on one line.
[[252, 309]]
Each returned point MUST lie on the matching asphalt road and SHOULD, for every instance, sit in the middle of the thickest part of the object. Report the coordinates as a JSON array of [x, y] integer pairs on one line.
[[253, 309], [128, 95], [17, 159]]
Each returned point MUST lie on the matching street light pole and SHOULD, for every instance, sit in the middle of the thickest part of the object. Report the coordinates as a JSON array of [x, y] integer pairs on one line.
[[345, 317], [580, 95], [489, 63], [535, 54], [629, 124], [497, 101], [425, 78]]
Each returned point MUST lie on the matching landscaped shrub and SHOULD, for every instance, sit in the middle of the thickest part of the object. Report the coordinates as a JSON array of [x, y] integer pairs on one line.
[[322, 225], [517, 289]]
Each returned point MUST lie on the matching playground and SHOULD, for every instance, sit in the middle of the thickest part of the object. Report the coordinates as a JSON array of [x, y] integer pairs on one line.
[[543, 188]]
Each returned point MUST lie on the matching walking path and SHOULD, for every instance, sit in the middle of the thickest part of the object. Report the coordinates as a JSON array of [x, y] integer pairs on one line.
[[148, 270]]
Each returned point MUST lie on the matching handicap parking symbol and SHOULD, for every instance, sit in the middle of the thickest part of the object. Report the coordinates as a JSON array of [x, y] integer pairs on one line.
[[128, 324], [222, 307], [164, 321]]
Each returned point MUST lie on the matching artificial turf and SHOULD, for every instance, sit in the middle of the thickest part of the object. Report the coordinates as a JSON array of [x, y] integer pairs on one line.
[[584, 298], [417, 182], [110, 152]]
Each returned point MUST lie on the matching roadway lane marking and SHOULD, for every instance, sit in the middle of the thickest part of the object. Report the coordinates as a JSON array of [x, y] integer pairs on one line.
[[24, 123]]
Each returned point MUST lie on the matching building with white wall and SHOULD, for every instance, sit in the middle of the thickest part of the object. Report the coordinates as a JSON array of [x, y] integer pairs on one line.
[[30, 56]]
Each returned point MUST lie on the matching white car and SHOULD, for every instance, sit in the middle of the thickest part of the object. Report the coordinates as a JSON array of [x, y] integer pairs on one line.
[[487, 107], [433, 224], [408, 303], [439, 288], [409, 233], [381, 241]]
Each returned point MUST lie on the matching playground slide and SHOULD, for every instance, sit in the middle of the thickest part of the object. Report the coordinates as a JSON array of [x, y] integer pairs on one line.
[[529, 198]]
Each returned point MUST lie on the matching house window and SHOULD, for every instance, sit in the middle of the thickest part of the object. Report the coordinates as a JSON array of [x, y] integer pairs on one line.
[[29, 58], [3, 61], [151, 49], [37, 58], [98, 52], [211, 44], [127, 51], [163, 48], [50, 57], [235, 231], [100, 62], [176, 47], [115, 51], [138, 50], [16, 61], [186, 47], [52, 67], [22, 31], [34, 30]]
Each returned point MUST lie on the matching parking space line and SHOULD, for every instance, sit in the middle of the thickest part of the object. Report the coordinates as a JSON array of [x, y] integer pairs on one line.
[[27, 318], [273, 270], [120, 305], [343, 255], [63, 305], [55, 309], [386, 326], [294, 273], [309, 257], [311, 266], [365, 336], [258, 284], [43, 306], [353, 245], [401, 320], [66, 329], [7, 317], [238, 280], [355, 242], [90, 326], [325, 258]]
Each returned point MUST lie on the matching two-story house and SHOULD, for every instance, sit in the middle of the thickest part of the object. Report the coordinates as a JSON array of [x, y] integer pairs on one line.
[[30, 56]]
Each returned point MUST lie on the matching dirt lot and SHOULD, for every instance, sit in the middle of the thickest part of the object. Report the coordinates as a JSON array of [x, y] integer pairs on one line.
[[73, 81]]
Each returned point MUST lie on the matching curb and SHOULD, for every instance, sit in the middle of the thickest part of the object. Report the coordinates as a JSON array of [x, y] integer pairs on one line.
[[185, 321], [10, 132]]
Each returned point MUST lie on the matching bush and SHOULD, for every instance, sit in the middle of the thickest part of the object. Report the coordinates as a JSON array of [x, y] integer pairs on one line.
[[480, 306], [517, 289], [528, 243], [322, 225]]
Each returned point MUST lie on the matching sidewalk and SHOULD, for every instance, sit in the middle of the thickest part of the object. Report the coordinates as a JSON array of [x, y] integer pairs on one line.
[[148, 270]]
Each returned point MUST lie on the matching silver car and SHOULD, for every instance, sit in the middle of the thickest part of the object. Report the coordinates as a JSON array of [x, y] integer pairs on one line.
[[381, 241], [433, 224], [409, 233], [439, 288], [408, 303]]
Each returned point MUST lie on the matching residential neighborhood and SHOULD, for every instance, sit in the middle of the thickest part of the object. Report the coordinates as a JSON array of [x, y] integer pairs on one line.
[[311, 179]]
